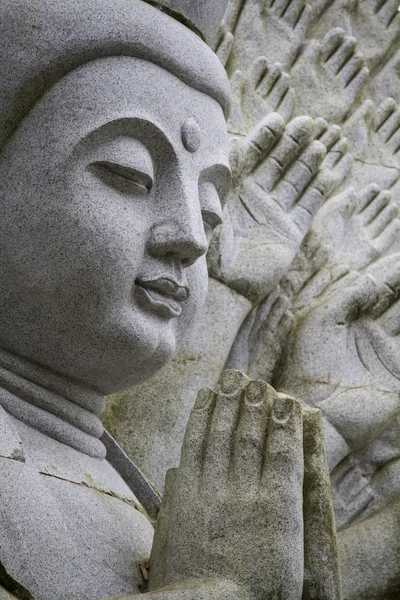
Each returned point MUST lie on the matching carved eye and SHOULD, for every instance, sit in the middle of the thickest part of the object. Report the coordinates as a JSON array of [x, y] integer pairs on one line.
[[123, 178]]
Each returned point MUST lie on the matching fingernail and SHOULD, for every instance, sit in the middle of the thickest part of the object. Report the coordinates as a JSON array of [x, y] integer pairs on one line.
[[282, 409], [256, 391], [232, 381], [203, 400]]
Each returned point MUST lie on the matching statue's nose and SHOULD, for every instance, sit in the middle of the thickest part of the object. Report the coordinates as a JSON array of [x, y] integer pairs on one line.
[[183, 241]]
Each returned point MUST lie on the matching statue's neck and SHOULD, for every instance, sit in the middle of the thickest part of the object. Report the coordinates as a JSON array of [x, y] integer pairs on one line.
[[52, 404]]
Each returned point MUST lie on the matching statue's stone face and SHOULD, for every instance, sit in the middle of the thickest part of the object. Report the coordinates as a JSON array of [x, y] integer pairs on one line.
[[109, 191]]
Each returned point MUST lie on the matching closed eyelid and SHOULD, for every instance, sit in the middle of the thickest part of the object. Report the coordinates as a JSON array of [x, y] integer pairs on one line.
[[129, 173], [126, 156]]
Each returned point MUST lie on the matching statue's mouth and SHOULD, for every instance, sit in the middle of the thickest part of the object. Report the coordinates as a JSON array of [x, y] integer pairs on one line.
[[165, 295]]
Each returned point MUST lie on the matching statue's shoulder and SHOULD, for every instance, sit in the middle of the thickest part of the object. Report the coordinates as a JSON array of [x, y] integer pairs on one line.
[[10, 442]]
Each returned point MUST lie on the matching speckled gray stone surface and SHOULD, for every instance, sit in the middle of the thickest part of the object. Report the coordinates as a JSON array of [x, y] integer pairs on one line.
[[203, 15], [311, 240], [110, 191]]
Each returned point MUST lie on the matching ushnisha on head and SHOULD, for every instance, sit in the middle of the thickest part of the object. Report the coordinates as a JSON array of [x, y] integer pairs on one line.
[[113, 167]]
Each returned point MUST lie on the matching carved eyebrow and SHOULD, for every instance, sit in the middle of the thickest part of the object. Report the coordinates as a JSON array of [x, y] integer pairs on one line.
[[138, 177]]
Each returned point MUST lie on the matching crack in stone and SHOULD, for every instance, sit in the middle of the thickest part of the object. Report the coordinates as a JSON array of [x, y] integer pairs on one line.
[[372, 164], [131, 503]]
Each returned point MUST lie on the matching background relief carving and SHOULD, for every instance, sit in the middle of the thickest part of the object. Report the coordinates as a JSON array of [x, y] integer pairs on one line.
[[304, 287]]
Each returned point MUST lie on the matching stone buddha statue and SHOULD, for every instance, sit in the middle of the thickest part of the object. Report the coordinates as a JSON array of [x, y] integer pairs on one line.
[[113, 168]]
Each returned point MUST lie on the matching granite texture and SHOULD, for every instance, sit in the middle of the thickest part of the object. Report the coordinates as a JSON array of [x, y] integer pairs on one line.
[[113, 175], [110, 193], [202, 16], [254, 483], [311, 240]]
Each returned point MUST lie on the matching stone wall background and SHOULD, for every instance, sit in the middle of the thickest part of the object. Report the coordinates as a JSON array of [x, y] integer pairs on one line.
[[315, 128]]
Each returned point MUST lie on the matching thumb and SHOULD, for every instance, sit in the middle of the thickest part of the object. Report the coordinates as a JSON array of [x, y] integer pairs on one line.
[[352, 300]]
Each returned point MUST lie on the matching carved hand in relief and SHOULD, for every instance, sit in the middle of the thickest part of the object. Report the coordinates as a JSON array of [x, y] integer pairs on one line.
[[336, 73], [281, 180], [375, 133], [342, 355], [375, 23], [264, 90], [237, 509], [358, 228], [277, 26]]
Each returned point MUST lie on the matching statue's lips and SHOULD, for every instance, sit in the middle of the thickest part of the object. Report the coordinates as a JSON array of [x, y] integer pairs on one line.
[[165, 295]]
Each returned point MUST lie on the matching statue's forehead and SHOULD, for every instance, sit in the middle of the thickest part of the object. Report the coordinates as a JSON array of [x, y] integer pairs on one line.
[[120, 87]]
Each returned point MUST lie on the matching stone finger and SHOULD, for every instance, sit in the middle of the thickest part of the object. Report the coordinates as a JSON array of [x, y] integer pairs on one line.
[[262, 138], [385, 109], [390, 319], [169, 486], [302, 217], [196, 435], [280, 6], [294, 11], [383, 220], [321, 557], [343, 279], [269, 80], [286, 326], [160, 540], [331, 43], [353, 298], [314, 288], [342, 54], [371, 212], [351, 68], [279, 90], [388, 236], [356, 84], [390, 126], [297, 135], [235, 116], [367, 195], [330, 136], [224, 49], [286, 104], [341, 169], [249, 444], [301, 173], [375, 5], [394, 140], [222, 431], [388, 12], [336, 153], [258, 70], [282, 474], [320, 128], [312, 199], [301, 26], [276, 313]]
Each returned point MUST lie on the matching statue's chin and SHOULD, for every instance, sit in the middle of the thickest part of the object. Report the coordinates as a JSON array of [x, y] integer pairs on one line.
[[132, 377], [132, 367]]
